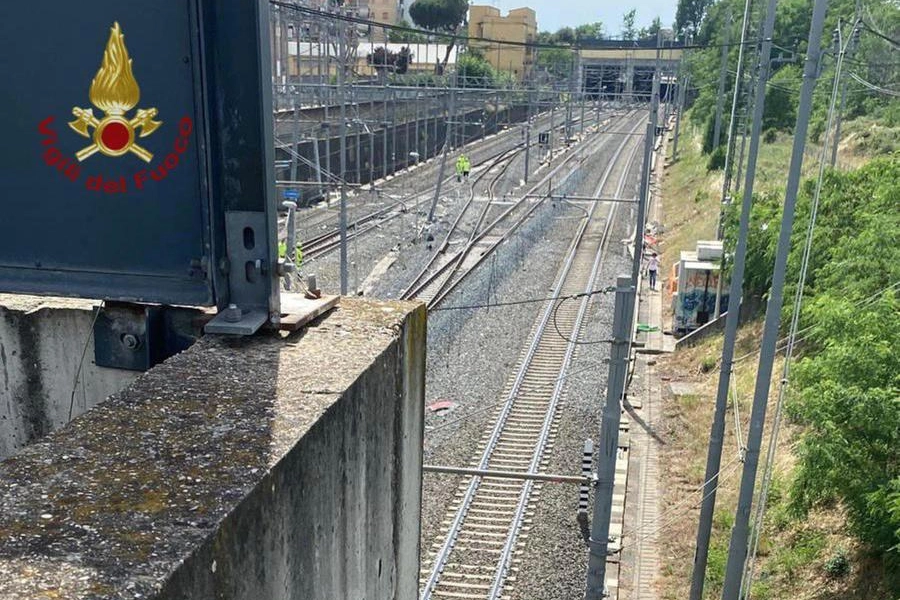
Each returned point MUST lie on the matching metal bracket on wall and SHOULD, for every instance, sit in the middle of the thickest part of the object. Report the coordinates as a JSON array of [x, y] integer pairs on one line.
[[249, 269], [136, 337]]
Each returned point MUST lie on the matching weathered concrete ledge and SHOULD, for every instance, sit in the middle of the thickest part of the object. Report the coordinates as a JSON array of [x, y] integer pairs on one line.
[[41, 344], [270, 467]]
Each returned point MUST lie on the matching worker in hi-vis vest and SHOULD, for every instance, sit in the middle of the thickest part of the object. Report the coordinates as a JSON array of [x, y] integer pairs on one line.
[[462, 167]]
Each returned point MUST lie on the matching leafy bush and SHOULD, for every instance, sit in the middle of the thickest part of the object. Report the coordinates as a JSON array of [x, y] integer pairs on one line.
[[838, 565], [848, 386], [716, 159]]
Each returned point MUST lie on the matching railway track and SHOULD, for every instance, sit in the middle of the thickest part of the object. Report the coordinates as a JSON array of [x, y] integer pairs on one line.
[[446, 270], [328, 241], [331, 240], [488, 521]]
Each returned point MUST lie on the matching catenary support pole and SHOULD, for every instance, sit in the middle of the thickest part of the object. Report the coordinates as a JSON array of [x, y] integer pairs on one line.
[[729, 149], [717, 432], [737, 550], [384, 140], [527, 148], [682, 84], [854, 40], [343, 126], [451, 118], [609, 438], [295, 137], [723, 72]]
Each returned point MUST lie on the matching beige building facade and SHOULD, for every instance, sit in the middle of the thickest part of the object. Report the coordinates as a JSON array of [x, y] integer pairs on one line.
[[518, 26], [382, 11]]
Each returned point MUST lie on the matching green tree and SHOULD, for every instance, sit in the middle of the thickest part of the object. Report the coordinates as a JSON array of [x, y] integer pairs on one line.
[[689, 15], [655, 26], [589, 31], [405, 37], [849, 404], [556, 61], [564, 35], [473, 70], [440, 16], [629, 32]]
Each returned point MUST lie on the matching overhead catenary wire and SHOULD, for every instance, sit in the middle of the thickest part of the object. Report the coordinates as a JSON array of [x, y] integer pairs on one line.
[[873, 87], [809, 328], [605, 290], [467, 38]]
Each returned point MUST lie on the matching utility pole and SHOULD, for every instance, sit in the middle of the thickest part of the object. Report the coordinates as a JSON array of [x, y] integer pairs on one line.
[[451, 118], [717, 432], [729, 149], [295, 137], [623, 318], [528, 137], [723, 71], [342, 100], [682, 84], [854, 40], [737, 550], [552, 125], [643, 200]]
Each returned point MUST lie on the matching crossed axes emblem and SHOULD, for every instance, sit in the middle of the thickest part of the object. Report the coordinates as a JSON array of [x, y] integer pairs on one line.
[[114, 134]]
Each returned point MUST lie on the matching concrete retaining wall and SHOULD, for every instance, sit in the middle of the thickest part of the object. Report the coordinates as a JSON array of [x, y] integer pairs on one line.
[[251, 469], [41, 344]]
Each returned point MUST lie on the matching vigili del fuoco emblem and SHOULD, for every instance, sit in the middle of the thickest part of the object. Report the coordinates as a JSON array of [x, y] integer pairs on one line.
[[115, 91]]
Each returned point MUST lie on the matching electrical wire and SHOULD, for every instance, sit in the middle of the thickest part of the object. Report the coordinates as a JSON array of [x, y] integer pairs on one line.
[[567, 338], [466, 38], [873, 87], [677, 517], [676, 511], [809, 328], [877, 33], [606, 290], [87, 342], [738, 422]]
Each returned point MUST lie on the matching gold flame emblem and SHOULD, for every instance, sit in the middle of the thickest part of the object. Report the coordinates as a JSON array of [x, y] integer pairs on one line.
[[114, 91]]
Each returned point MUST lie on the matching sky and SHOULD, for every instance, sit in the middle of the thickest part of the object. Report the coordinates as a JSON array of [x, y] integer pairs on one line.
[[553, 14]]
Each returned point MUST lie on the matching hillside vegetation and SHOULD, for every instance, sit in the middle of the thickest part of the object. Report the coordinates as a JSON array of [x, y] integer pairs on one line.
[[832, 528]]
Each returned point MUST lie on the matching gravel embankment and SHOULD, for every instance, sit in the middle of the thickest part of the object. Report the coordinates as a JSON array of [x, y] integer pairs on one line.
[[553, 565], [473, 353]]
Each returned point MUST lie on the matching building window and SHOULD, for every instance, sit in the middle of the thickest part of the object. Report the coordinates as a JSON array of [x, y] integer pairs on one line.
[[384, 15], [290, 32]]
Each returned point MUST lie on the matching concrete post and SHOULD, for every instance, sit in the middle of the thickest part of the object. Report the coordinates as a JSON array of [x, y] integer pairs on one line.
[[723, 71], [717, 432], [609, 437], [343, 134], [737, 550], [443, 167], [384, 155], [295, 138]]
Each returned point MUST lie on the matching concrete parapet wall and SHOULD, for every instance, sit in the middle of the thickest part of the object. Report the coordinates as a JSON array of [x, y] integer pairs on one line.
[[41, 344], [252, 468]]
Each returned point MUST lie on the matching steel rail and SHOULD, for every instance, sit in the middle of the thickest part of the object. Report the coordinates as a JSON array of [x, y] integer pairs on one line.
[[448, 284], [524, 496], [441, 558], [327, 242]]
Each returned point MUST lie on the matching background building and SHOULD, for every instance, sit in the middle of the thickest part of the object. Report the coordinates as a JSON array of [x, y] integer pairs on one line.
[[519, 26]]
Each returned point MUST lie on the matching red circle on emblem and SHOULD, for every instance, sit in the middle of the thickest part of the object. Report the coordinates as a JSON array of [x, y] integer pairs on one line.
[[115, 136]]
